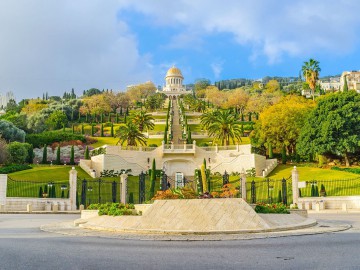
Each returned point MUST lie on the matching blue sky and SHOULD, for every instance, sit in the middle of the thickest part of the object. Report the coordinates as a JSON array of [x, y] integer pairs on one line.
[[53, 46]]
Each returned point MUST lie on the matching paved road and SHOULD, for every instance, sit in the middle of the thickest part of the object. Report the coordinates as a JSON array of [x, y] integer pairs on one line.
[[24, 246]]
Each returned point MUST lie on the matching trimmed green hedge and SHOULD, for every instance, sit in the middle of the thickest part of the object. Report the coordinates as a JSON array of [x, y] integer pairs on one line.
[[113, 209], [275, 208], [48, 138], [14, 168], [350, 170]]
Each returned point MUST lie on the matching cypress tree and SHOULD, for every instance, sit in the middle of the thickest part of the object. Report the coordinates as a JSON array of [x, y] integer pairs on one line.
[[62, 194], [117, 118], [30, 158], [109, 118], [87, 154], [102, 130], [50, 193], [53, 191], [279, 197], [316, 191], [112, 130], [283, 155], [312, 190], [58, 161], [121, 111], [102, 118], [72, 156], [73, 129], [127, 111], [82, 130], [250, 116], [271, 153], [87, 118], [63, 127], [153, 179], [92, 130], [46, 189], [44, 157], [345, 88], [125, 119], [242, 118], [40, 192]]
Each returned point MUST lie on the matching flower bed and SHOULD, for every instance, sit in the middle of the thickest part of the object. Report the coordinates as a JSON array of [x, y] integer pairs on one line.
[[274, 208], [113, 209]]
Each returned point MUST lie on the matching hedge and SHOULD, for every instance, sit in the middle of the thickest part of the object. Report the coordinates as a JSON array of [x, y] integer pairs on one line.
[[48, 138], [14, 168]]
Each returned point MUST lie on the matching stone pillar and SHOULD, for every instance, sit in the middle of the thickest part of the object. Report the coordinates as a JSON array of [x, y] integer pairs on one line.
[[3, 188], [243, 186], [123, 188], [72, 191], [295, 187]]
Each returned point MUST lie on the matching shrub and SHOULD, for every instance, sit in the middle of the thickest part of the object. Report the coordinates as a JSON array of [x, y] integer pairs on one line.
[[113, 209], [18, 153], [14, 168], [275, 208], [38, 140], [350, 170]]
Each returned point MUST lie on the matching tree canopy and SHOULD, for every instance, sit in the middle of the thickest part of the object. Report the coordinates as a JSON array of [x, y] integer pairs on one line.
[[333, 126]]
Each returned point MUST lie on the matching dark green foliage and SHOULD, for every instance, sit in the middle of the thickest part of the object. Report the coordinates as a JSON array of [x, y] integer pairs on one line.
[[333, 126], [87, 154], [30, 150], [113, 209], [131, 198], [18, 153], [40, 192], [351, 170], [276, 208], [271, 153], [44, 157], [38, 140], [62, 194], [299, 193], [153, 179], [127, 111], [92, 130], [53, 195], [322, 191], [316, 194], [283, 155], [112, 130], [279, 200], [14, 168], [10, 132], [46, 189], [117, 118], [297, 158], [102, 130], [58, 158], [82, 130], [312, 191], [72, 156], [102, 118], [73, 129]]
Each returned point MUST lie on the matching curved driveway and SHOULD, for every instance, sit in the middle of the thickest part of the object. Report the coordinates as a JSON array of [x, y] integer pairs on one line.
[[24, 246]]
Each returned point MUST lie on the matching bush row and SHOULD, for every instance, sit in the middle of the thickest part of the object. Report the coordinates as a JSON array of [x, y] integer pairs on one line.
[[14, 168], [350, 170], [39, 140]]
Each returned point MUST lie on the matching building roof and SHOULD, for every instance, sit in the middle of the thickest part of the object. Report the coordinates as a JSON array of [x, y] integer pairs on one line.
[[174, 72]]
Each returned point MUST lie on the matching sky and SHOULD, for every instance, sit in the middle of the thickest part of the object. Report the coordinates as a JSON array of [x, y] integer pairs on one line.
[[53, 46]]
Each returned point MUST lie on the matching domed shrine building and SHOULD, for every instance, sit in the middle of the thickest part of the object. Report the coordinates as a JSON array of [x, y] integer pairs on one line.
[[173, 83]]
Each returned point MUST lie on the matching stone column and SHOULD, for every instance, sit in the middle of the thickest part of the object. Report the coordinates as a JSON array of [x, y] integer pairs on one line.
[[243, 186], [295, 187], [72, 191], [123, 188], [3, 188]]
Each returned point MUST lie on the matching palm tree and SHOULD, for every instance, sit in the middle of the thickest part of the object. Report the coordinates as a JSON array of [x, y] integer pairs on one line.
[[222, 125], [130, 134], [311, 72], [143, 120]]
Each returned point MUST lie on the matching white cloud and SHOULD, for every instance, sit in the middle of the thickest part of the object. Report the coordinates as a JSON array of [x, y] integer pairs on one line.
[[49, 45], [273, 27], [217, 68]]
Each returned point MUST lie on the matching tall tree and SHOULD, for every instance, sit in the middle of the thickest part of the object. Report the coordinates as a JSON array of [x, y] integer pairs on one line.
[[44, 157], [345, 88], [143, 120], [153, 179], [333, 126], [311, 71], [130, 134]]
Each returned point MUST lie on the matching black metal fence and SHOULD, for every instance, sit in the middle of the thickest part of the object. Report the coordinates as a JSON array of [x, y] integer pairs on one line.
[[269, 191], [35, 189]]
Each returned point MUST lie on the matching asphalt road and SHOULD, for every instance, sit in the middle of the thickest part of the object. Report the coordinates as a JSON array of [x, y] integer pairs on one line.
[[24, 246]]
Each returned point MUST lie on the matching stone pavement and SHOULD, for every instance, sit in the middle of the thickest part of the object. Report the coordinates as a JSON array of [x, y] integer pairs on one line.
[[68, 228]]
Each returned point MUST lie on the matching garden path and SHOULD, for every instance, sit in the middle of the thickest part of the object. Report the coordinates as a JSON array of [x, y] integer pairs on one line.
[[177, 130]]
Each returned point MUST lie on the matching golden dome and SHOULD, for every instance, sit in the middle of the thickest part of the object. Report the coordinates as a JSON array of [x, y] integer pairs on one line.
[[174, 72]]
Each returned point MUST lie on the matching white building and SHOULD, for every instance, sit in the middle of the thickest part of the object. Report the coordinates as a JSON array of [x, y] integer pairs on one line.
[[332, 85], [352, 78], [174, 83]]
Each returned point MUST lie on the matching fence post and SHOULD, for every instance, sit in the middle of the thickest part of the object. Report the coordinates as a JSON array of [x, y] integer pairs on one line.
[[295, 188], [114, 189], [123, 188], [284, 191], [253, 192], [72, 191], [3, 188], [83, 192], [243, 186]]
